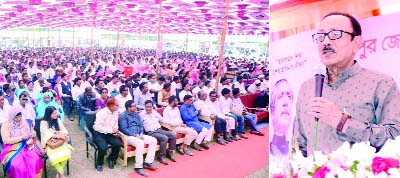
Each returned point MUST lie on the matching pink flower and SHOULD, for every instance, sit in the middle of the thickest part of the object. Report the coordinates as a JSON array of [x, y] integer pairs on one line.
[[277, 176], [321, 172], [380, 164]]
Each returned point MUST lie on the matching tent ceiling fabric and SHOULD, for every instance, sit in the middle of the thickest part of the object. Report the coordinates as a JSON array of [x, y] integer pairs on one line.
[[178, 16]]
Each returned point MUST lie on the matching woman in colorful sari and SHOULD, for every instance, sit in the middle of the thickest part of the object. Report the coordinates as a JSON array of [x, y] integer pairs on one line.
[[55, 140], [20, 156]]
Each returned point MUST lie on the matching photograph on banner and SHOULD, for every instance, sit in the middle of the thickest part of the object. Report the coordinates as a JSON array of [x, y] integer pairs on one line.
[[334, 84]]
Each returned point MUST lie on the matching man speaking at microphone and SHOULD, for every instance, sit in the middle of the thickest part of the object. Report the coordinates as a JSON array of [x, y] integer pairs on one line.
[[357, 105]]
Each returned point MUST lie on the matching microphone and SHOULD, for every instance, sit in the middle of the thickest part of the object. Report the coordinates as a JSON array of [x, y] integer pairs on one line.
[[319, 81]]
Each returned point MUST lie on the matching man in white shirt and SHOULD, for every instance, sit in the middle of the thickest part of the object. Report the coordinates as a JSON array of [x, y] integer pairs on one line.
[[225, 105], [264, 82], [255, 87], [106, 133], [123, 97], [240, 84], [196, 90], [114, 85], [176, 84], [173, 117], [4, 108], [212, 106], [185, 91], [151, 123], [225, 83]]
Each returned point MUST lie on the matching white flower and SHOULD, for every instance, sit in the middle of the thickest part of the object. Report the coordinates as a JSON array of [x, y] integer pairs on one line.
[[390, 149], [361, 152], [395, 173], [344, 173], [320, 159], [299, 162]]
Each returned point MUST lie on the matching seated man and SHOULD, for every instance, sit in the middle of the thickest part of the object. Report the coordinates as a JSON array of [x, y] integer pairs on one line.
[[239, 108], [152, 127], [123, 97], [173, 115], [142, 96], [190, 118], [220, 124], [225, 104], [231, 123], [106, 133], [131, 125]]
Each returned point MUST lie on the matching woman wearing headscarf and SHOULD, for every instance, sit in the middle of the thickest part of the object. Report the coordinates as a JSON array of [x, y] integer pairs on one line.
[[54, 137], [48, 99], [20, 155]]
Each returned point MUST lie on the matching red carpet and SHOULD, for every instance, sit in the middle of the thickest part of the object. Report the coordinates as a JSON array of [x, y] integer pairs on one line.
[[235, 160]]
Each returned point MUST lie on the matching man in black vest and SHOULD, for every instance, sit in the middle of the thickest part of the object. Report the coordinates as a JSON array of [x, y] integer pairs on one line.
[[66, 95]]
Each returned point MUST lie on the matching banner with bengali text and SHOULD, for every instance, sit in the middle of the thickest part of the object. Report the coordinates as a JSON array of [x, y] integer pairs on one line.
[[294, 58]]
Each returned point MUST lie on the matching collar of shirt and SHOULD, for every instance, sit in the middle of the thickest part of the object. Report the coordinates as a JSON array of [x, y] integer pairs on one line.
[[346, 74]]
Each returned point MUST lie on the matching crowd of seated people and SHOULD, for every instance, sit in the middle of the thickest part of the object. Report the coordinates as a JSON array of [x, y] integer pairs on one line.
[[46, 84]]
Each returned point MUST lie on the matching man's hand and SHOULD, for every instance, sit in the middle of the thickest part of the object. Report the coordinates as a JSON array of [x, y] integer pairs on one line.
[[199, 111], [326, 111], [114, 131]]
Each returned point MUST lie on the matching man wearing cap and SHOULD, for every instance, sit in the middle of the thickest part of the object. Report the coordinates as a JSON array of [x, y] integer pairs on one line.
[[264, 83], [255, 87]]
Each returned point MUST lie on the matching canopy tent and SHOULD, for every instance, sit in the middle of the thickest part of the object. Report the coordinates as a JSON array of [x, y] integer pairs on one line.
[[296, 16], [139, 16]]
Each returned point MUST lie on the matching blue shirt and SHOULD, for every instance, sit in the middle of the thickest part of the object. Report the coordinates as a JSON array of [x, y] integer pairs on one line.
[[190, 118], [130, 124]]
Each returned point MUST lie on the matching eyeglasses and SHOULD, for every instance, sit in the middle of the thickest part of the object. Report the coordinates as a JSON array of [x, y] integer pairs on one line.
[[104, 92], [332, 35], [24, 99]]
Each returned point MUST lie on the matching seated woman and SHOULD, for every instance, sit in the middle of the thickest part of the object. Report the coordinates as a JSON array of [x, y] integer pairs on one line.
[[21, 153], [46, 100], [55, 140], [101, 101]]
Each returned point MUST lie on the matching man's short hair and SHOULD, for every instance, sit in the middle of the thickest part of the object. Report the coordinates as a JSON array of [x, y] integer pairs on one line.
[[212, 92], [122, 88], [273, 94], [354, 22], [186, 97], [141, 86], [97, 81], [128, 104], [225, 91], [176, 78], [171, 99], [223, 79], [148, 101], [63, 75], [235, 91], [161, 79]]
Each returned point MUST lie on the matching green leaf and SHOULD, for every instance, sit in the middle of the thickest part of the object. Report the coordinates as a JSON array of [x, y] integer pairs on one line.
[[353, 168], [309, 173]]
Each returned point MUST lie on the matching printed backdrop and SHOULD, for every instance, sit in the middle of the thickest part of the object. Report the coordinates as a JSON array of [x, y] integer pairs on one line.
[[294, 58]]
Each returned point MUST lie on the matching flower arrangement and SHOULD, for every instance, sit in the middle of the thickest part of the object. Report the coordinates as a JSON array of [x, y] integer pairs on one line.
[[357, 161]]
